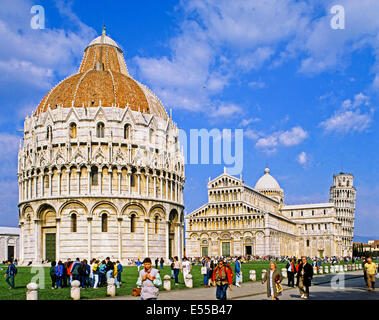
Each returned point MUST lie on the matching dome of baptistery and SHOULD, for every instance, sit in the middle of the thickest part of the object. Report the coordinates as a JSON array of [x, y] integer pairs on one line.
[[268, 185], [100, 169]]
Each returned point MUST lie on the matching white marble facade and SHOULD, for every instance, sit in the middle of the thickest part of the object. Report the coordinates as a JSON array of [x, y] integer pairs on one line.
[[240, 220], [97, 179], [9, 243]]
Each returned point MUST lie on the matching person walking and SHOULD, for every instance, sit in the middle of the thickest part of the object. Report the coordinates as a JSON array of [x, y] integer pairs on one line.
[[53, 275], [238, 271], [149, 281], [177, 267], [370, 268], [114, 275], [10, 274], [222, 279], [156, 263], [305, 275], [138, 264], [82, 270], [161, 263], [291, 272], [273, 278], [364, 271], [75, 269]]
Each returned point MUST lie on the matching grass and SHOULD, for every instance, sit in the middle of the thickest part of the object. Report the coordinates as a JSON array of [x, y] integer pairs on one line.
[[129, 278]]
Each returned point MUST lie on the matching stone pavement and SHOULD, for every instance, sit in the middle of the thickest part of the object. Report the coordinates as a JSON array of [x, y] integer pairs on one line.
[[256, 291]]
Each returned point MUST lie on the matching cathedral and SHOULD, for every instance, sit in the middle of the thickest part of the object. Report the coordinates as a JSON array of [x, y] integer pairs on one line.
[[100, 170], [240, 220]]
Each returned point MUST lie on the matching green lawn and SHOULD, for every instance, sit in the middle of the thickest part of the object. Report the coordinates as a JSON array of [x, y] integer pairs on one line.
[[129, 278]]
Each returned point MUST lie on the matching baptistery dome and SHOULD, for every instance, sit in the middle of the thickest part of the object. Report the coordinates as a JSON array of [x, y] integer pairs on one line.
[[100, 168], [102, 80]]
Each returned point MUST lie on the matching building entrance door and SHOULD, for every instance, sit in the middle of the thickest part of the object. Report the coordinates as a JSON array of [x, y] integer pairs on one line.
[[11, 253], [50, 246], [248, 250], [226, 249], [204, 251]]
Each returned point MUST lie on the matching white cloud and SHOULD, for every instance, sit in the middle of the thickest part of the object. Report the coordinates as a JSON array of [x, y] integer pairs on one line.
[[288, 138], [257, 84], [226, 110], [246, 122], [356, 115], [302, 158]]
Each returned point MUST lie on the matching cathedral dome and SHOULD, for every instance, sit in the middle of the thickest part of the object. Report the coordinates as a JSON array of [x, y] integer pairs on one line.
[[102, 80], [267, 182]]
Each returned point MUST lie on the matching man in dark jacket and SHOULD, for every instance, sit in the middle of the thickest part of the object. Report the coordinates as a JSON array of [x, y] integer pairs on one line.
[[291, 272], [109, 268], [10, 274], [305, 275]]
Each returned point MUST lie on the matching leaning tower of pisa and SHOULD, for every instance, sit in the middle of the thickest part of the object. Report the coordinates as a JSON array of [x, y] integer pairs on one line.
[[343, 195]]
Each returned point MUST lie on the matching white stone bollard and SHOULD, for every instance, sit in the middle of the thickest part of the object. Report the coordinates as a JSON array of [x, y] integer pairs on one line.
[[75, 290], [359, 266], [189, 282], [320, 270], [111, 288], [32, 291], [167, 282], [263, 273], [341, 268], [284, 272], [334, 269], [315, 270], [326, 269], [345, 267], [252, 275]]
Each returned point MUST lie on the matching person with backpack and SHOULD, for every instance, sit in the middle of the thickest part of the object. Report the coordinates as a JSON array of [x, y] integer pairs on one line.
[[102, 273], [82, 269], [52, 274], [10, 274], [222, 278], [59, 273], [74, 269]]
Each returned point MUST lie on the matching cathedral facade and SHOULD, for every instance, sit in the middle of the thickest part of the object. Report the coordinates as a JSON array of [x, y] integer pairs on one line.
[[240, 220], [100, 171]]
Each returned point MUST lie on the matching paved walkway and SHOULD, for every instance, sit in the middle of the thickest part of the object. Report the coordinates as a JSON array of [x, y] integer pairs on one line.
[[257, 291]]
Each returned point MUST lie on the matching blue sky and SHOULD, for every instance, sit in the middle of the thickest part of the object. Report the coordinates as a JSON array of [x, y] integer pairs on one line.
[[305, 95]]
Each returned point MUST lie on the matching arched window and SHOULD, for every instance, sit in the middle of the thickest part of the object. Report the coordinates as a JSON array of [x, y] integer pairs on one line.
[[156, 224], [73, 222], [133, 223], [104, 222], [49, 132], [132, 180], [308, 243], [100, 130], [151, 135], [127, 131], [94, 176], [73, 131]]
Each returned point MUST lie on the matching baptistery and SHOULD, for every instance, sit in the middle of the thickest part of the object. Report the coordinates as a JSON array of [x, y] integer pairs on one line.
[[100, 169]]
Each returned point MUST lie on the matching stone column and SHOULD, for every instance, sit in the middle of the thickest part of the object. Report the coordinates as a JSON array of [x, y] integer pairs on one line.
[[110, 181], [119, 181], [101, 182], [139, 182], [129, 182], [166, 183], [161, 180], [146, 240], [178, 240], [147, 184], [57, 242], [37, 241], [35, 185], [155, 185], [171, 188], [51, 184], [88, 181], [68, 180], [119, 239], [167, 240], [22, 241], [89, 234], [78, 180], [59, 182]]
